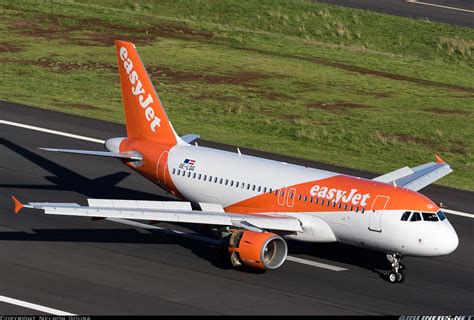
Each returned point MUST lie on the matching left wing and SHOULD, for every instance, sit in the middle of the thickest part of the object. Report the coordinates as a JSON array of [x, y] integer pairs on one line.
[[167, 211], [418, 177]]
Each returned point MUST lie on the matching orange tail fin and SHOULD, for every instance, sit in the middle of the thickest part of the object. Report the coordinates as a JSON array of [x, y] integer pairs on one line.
[[145, 115]]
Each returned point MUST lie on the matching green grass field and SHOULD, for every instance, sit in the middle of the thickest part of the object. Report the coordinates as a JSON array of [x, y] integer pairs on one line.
[[338, 85]]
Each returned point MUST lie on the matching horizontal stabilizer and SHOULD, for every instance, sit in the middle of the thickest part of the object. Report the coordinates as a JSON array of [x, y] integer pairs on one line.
[[190, 138], [98, 153]]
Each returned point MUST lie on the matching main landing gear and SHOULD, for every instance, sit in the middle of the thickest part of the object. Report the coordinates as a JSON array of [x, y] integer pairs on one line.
[[396, 275]]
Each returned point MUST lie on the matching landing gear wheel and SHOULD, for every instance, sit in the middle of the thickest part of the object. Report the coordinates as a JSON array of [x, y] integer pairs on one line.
[[396, 275], [392, 277], [400, 277]]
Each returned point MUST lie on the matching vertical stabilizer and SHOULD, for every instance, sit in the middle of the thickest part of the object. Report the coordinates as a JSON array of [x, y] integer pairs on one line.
[[145, 115]]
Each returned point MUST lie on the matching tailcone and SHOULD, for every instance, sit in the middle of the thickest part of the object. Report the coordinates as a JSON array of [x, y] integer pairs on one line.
[[113, 144]]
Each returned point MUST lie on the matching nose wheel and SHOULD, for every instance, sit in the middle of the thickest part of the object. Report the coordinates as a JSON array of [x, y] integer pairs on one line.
[[396, 275]]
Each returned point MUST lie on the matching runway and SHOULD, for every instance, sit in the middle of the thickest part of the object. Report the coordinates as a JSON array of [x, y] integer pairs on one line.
[[458, 12], [99, 267]]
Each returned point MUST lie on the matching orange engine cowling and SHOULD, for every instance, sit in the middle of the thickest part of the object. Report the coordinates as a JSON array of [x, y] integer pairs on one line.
[[260, 250]]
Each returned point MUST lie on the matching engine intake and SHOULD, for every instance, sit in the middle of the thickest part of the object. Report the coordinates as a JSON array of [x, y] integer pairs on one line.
[[260, 250]]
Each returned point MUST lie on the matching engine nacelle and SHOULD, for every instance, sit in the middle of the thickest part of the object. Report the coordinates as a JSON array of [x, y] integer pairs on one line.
[[260, 250]]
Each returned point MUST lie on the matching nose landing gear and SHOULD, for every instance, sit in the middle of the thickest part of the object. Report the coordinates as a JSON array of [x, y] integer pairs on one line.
[[396, 275]]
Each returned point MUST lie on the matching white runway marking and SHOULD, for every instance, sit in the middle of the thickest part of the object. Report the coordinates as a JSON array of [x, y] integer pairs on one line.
[[59, 133], [36, 307], [438, 6], [315, 264], [459, 213]]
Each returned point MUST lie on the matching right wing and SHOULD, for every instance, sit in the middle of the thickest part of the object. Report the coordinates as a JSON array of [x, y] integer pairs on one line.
[[418, 177], [167, 211]]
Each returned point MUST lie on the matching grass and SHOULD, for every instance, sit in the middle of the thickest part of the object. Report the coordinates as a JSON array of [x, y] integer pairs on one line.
[[338, 85]]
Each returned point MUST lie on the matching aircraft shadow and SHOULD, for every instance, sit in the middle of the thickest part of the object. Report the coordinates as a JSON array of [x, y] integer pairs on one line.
[[64, 179]]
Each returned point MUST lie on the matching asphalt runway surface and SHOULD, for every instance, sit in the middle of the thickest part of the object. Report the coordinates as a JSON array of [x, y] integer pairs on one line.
[[100, 267], [458, 12]]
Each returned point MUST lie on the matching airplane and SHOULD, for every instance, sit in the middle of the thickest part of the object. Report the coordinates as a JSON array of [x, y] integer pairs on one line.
[[255, 204]]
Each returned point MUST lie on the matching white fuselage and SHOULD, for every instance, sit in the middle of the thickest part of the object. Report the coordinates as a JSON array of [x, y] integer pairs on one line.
[[228, 178]]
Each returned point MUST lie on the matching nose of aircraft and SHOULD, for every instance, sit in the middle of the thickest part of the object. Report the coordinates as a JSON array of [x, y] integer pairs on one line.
[[450, 241]]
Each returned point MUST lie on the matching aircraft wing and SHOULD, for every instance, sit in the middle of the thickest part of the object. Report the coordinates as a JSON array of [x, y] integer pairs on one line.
[[167, 211], [418, 177]]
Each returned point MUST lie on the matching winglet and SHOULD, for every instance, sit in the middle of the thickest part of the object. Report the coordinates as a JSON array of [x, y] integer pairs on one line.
[[439, 159], [18, 204]]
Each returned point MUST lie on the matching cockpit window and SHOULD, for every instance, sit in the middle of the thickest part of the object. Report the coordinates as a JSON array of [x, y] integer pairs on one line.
[[405, 216], [441, 215], [429, 216], [415, 217]]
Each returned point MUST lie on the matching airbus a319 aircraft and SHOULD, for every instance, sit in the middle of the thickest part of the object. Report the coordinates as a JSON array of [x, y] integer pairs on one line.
[[255, 203]]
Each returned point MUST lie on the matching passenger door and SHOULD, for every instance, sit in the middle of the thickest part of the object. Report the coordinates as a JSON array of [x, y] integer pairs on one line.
[[375, 215]]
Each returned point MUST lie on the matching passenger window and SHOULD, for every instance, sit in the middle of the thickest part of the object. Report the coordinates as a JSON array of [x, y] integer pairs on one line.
[[189, 174], [334, 204], [248, 186], [205, 177], [305, 198], [199, 177], [271, 190], [322, 202], [231, 183], [276, 192], [174, 170], [340, 204], [328, 203], [221, 180], [184, 172], [345, 206], [351, 209], [179, 172], [405, 216], [415, 217], [237, 184], [357, 209], [291, 195], [311, 199], [299, 197], [226, 181], [363, 210], [259, 188], [194, 175], [429, 216], [316, 201], [264, 189]]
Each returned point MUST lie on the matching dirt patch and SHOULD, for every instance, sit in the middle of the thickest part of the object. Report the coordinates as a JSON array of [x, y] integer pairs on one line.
[[446, 111], [96, 32], [364, 71], [454, 146], [336, 106], [61, 66], [6, 47], [243, 78]]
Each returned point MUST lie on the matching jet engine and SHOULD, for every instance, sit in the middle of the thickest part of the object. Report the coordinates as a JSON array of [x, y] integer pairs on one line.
[[260, 250]]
